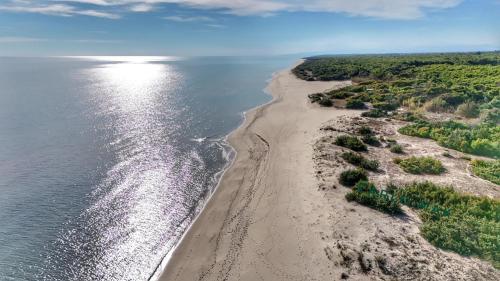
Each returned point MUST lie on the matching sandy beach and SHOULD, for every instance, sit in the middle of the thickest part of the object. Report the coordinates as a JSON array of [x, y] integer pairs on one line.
[[279, 212], [256, 225]]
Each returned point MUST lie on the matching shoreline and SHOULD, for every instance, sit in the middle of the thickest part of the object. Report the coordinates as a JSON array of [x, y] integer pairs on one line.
[[216, 219], [231, 157]]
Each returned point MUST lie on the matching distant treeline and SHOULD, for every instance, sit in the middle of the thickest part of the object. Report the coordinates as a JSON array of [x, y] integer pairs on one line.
[[327, 68], [467, 84]]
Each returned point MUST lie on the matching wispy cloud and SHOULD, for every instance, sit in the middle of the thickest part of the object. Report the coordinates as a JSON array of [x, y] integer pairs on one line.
[[20, 39], [386, 9], [17, 39], [62, 10], [189, 19]]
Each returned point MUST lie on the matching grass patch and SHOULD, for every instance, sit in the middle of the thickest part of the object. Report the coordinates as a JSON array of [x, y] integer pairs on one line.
[[360, 161], [396, 148], [488, 170], [365, 193], [351, 177], [351, 142], [420, 165]]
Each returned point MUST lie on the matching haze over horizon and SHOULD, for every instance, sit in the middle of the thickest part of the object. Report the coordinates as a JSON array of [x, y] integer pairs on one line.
[[245, 27]]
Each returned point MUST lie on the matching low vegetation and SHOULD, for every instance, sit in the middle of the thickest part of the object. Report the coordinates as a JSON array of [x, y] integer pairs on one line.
[[396, 148], [483, 139], [354, 103], [365, 193], [375, 113], [466, 84], [371, 140], [468, 225], [468, 110], [351, 177], [360, 161], [364, 130], [351, 142], [420, 165], [488, 170]]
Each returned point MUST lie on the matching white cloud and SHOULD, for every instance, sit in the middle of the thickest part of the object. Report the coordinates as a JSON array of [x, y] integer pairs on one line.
[[142, 8], [386, 9], [62, 10]]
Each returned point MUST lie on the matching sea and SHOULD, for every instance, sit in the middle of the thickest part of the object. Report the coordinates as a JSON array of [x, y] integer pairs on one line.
[[105, 161]]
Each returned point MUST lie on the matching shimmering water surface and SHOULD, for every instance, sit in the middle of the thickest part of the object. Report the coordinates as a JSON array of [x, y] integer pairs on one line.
[[105, 161]]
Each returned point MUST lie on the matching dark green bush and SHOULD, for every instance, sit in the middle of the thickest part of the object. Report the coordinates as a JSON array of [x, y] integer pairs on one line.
[[365, 193], [354, 103], [375, 113], [370, 140], [315, 97], [364, 130], [386, 106], [350, 142], [360, 161], [351, 177], [420, 165], [326, 102]]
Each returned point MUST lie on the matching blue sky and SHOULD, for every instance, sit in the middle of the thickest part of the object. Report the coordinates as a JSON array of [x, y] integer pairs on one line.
[[245, 27]]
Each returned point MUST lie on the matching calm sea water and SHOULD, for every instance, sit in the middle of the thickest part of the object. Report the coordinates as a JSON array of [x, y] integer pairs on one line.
[[105, 161]]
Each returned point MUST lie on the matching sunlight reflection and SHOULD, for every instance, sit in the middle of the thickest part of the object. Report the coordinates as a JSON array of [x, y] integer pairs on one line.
[[128, 59]]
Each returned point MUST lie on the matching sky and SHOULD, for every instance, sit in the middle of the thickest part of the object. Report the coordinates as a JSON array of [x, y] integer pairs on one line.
[[246, 27]]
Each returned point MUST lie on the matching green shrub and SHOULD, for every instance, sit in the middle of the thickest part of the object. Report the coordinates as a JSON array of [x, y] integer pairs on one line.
[[364, 130], [386, 106], [326, 102], [468, 225], [351, 142], [468, 110], [375, 113], [488, 170], [396, 148], [480, 140], [360, 161], [491, 116], [365, 193], [370, 140], [340, 95], [315, 97], [420, 165], [354, 103], [351, 177]]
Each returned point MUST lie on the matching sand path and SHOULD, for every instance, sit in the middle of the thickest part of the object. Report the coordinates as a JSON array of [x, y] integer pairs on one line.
[[257, 224]]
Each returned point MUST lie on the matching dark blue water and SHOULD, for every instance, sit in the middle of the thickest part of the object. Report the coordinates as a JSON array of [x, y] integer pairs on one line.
[[105, 161]]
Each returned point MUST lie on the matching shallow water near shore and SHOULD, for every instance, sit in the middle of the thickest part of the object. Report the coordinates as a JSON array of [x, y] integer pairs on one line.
[[105, 161]]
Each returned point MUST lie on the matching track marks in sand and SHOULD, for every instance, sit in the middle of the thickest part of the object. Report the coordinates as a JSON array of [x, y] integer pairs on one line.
[[234, 230]]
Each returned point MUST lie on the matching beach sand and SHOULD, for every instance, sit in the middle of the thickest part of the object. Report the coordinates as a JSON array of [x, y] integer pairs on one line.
[[256, 226]]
